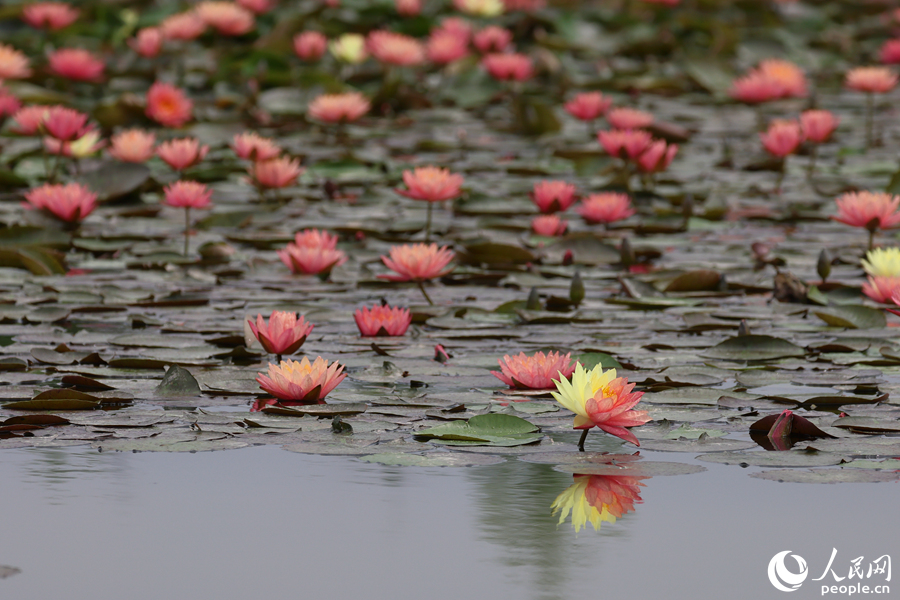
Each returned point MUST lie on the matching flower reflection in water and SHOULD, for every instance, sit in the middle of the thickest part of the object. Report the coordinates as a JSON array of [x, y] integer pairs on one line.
[[598, 499]]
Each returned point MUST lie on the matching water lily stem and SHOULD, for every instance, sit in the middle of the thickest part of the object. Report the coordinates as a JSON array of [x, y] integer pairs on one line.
[[813, 155], [871, 238], [187, 229], [583, 437], [278, 359], [870, 119], [428, 224], [424, 293]]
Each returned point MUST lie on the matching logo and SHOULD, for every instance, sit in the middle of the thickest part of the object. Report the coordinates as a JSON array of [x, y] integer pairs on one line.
[[782, 578]]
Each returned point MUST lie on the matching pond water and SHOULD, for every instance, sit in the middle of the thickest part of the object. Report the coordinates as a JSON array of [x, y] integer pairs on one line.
[[262, 522]]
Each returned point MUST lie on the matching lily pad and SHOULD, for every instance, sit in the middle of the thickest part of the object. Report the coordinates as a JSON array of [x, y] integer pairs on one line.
[[486, 430], [754, 347], [790, 458], [852, 316], [827, 476]]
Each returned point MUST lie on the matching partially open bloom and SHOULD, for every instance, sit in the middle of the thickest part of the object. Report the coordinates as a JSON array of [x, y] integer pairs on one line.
[[605, 207], [629, 118], [553, 196], [549, 225], [315, 238], [252, 146], [395, 48], [873, 80], [76, 64], [598, 499], [755, 88], [871, 210], [183, 26], [86, 144], [28, 119], [49, 15], [788, 75], [187, 194], [9, 104], [457, 26], [300, 380], [133, 145], [309, 260], [444, 47], [227, 18], [535, 372], [284, 333], [627, 144], [350, 48], [63, 123], [148, 42], [890, 52], [417, 262], [480, 8], [492, 39], [600, 399], [168, 105], [782, 138], [276, 172], [657, 157], [338, 108], [431, 184], [182, 153], [71, 202], [882, 262], [881, 288], [587, 106], [508, 67], [382, 320], [818, 125], [310, 45], [257, 6], [408, 8], [13, 64]]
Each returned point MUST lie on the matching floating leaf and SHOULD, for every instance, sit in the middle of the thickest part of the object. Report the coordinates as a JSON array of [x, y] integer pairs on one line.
[[827, 476], [852, 316], [177, 383], [486, 430], [754, 347]]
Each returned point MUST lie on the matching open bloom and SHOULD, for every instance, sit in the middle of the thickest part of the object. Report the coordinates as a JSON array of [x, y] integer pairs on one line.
[[314, 238], [395, 48], [76, 64], [283, 334], [788, 75], [629, 118], [871, 210], [553, 196], [182, 153], [382, 320], [508, 66], [29, 119], [535, 372], [49, 15], [302, 380], [276, 172], [882, 262], [182, 26], [63, 123], [187, 194], [549, 225], [408, 8], [303, 258], [480, 8], [252, 146], [431, 184], [492, 39], [782, 138], [132, 145], [598, 499], [417, 262], [657, 157], [9, 104], [605, 207], [13, 64], [227, 18], [257, 6], [310, 45], [71, 202], [349, 48], [890, 52], [755, 88], [457, 26], [625, 143], [600, 399], [168, 105], [881, 289], [874, 80], [587, 106], [338, 108], [818, 125], [444, 47], [148, 42]]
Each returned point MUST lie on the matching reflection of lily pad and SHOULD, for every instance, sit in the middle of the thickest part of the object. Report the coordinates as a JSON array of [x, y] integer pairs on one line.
[[791, 458], [442, 459], [827, 476], [579, 458], [638, 469]]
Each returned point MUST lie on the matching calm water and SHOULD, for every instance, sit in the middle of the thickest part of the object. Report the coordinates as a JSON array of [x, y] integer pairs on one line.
[[262, 522]]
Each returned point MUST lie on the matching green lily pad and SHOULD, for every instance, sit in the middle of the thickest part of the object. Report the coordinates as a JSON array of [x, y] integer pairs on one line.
[[790, 458], [178, 382], [852, 316], [485, 430], [754, 347]]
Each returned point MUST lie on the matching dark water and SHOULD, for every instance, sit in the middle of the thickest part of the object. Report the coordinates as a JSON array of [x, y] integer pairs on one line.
[[265, 523]]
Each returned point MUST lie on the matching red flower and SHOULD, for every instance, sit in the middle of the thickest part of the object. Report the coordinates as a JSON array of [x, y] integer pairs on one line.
[[625, 144], [187, 194], [508, 67], [606, 207], [76, 64], [50, 15], [871, 210], [818, 125], [65, 124], [147, 42], [417, 262], [535, 372], [168, 105], [492, 39], [338, 108], [182, 153], [71, 202], [431, 184], [382, 320], [133, 145], [284, 334], [553, 196], [874, 80], [310, 45], [587, 106], [549, 225], [276, 172], [782, 138], [395, 48], [302, 380], [629, 118]]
